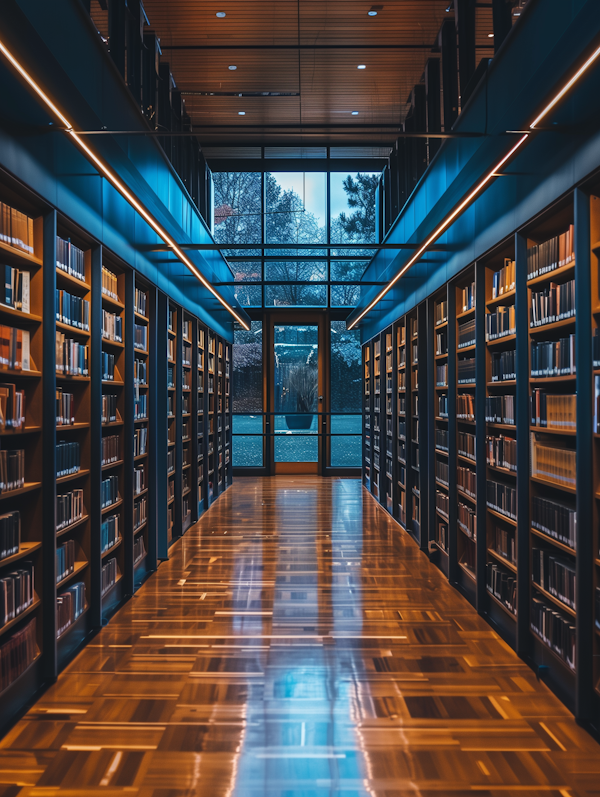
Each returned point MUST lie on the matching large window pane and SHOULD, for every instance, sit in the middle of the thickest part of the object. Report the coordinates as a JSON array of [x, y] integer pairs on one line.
[[238, 208], [248, 295], [291, 295], [295, 271], [344, 295], [296, 208], [346, 395], [248, 369], [353, 210], [347, 270], [346, 452], [297, 448], [247, 452], [246, 271]]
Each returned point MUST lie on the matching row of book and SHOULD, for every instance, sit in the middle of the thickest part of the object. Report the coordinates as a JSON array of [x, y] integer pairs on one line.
[[65, 560], [109, 491], [465, 407], [466, 445], [72, 310], [69, 508], [550, 255], [109, 408], [553, 357], [12, 407], [112, 327], [553, 411], [466, 480], [139, 479], [441, 342], [556, 465], [558, 521], [596, 348], [140, 512], [12, 470], [554, 574], [441, 439], [554, 629], [70, 259], [16, 592], [110, 449], [140, 372], [139, 549], [17, 289], [466, 371], [501, 452], [502, 498], [65, 408], [70, 605], [109, 284], [442, 502], [500, 409], [504, 280], [441, 375], [139, 302], [504, 365], [500, 322], [551, 304], [441, 315], [466, 333], [186, 357], [441, 471], [441, 535], [17, 653], [10, 534], [15, 351], [140, 407], [467, 520], [16, 228], [109, 532], [108, 576], [502, 585], [505, 544], [72, 357], [467, 297], [67, 458], [108, 366], [140, 441], [171, 354]]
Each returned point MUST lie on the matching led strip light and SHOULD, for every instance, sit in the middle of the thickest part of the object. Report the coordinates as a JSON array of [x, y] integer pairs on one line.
[[489, 176], [117, 183]]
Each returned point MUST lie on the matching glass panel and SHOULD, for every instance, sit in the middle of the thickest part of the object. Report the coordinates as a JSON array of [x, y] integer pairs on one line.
[[247, 424], [353, 207], [246, 271], [297, 448], [295, 271], [248, 295], [247, 452], [346, 424], [296, 388], [346, 388], [247, 369], [345, 295], [346, 270], [293, 295], [296, 208], [238, 207], [346, 452]]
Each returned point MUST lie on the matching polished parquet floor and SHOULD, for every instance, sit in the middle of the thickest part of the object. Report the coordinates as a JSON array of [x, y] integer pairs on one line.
[[297, 644]]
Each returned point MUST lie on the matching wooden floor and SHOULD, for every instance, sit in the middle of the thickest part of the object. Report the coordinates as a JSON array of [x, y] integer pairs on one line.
[[298, 644]]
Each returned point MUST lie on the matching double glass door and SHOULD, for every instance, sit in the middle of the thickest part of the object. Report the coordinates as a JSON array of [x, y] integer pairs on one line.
[[297, 418]]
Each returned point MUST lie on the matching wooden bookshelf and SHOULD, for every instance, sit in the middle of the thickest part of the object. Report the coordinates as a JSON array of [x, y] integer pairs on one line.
[[227, 409], [142, 376], [201, 415], [413, 426], [441, 442], [387, 421], [187, 436], [401, 420], [367, 443], [212, 491], [174, 422], [219, 417], [595, 541]]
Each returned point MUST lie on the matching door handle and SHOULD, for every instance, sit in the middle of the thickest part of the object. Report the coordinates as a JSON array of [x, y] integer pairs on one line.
[[320, 398]]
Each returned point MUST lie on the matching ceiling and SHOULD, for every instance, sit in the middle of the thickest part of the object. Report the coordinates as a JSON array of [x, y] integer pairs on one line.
[[305, 55]]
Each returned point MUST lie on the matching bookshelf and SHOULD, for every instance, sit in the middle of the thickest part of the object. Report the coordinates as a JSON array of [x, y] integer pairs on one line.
[[387, 416], [187, 437], [523, 507], [501, 532], [367, 364], [227, 421], [376, 421], [211, 425], [441, 443], [219, 418], [174, 422], [401, 423], [142, 519], [200, 457]]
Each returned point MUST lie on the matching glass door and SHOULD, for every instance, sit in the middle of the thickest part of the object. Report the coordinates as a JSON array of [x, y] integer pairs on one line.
[[296, 417]]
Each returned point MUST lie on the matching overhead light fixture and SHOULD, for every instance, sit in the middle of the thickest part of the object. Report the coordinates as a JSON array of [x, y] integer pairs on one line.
[[241, 113], [354, 113], [372, 13], [233, 67], [490, 35], [221, 14], [361, 66], [479, 187], [117, 183]]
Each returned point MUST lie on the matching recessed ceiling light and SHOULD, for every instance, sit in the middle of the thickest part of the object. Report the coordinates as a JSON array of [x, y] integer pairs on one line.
[[233, 67], [241, 113], [372, 13], [354, 113], [361, 66], [490, 35], [221, 14]]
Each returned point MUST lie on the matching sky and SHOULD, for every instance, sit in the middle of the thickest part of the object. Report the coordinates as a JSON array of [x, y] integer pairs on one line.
[[311, 186]]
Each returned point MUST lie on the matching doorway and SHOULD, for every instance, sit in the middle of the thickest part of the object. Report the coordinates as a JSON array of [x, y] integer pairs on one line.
[[297, 418]]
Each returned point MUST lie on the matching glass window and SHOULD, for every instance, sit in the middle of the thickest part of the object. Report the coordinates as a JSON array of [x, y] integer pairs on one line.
[[248, 295], [247, 370], [353, 207], [347, 270], [346, 452], [296, 208], [295, 271], [246, 271], [346, 395], [344, 295], [238, 207], [294, 295]]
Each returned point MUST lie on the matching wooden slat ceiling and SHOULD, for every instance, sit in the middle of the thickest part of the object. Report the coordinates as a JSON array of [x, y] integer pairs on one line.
[[307, 52]]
